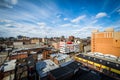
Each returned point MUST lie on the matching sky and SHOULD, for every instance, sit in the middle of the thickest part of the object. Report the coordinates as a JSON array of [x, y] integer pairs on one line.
[[55, 18]]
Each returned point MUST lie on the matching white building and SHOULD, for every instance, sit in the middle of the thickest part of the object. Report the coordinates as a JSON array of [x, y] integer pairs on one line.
[[63, 47], [76, 47], [66, 47], [17, 43]]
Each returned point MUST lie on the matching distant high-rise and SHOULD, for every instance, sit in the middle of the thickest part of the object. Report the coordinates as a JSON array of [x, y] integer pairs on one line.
[[107, 42]]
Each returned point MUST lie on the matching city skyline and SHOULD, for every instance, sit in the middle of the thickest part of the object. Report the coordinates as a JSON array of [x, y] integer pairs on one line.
[[40, 18]]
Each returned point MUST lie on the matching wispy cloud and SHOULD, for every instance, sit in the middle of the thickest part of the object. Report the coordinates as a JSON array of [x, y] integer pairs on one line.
[[8, 3], [58, 16], [101, 14], [87, 28], [42, 24], [65, 19], [78, 19], [86, 31], [13, 29], [70, 26], [66, 25], [94, 21], [5, 21]]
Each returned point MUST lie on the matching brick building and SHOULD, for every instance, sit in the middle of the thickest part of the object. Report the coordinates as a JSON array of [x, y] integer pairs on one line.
[[107, 42], [46, 53], [35, 41], [55, 45], [20, 55]]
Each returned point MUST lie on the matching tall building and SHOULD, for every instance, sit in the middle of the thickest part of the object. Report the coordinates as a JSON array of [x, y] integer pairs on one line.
[[107, 42], [71, 38]]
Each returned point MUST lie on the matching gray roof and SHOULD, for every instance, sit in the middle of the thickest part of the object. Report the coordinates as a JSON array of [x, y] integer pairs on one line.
[[45, 66]]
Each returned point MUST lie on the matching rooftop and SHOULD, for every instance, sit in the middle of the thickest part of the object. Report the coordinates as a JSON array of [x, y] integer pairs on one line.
[[64, 71], [59, 56], [8, 66], [45, 66]]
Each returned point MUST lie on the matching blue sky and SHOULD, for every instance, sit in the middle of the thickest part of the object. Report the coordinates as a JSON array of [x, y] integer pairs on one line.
[[40, 18]]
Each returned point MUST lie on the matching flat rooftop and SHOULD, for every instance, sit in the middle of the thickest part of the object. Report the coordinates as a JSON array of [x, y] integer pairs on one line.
[[66, 70], [45, 66], [8, 66], [59, 56]]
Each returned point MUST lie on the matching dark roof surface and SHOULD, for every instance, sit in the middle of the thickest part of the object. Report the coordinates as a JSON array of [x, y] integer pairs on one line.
[[74, 65], [85, 75], [62, 71]]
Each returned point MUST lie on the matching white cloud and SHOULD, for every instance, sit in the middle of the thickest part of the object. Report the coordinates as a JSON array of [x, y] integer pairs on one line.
[[32, 30], [26, 29], [41, 24], [65, 19], [76, 26], [5, 20], [86, 31], [78, 19], [101, 14], [58, 16], [66, 25], [69, 25], [94, 21], [7, 25]]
